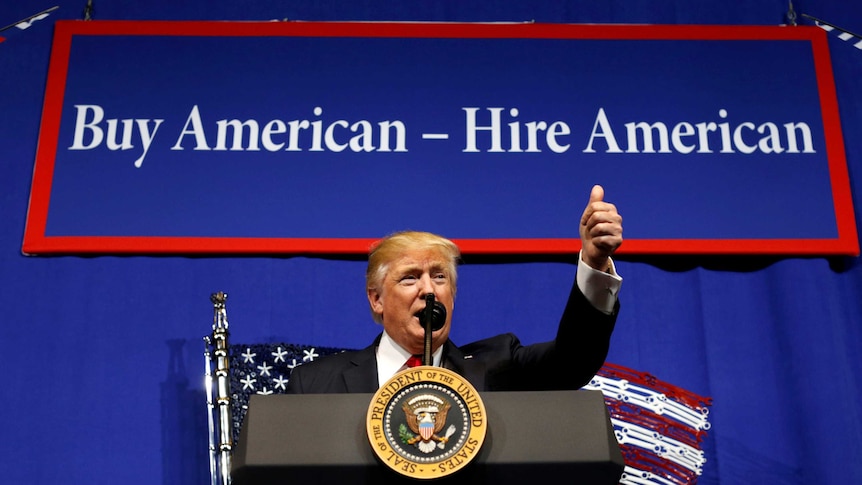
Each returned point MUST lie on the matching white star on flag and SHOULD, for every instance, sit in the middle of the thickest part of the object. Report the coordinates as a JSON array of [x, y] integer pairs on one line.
[[309, 355], [248, 356], [248, 383], [280, 383], [264, 369], [279, 354]]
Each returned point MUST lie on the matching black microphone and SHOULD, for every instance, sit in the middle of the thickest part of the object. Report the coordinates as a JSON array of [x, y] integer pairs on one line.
[[433, 318], [437, 314]]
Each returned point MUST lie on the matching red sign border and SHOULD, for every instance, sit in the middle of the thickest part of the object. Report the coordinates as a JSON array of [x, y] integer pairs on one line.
[[36, 242]]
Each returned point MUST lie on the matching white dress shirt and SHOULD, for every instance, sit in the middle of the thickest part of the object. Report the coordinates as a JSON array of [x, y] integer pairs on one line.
[[391, 358]]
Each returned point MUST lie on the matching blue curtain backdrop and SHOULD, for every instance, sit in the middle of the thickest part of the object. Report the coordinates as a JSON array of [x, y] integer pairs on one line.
[[102, 357]]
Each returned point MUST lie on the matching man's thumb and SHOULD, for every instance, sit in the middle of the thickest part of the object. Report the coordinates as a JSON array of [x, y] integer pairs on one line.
[[597, 194]]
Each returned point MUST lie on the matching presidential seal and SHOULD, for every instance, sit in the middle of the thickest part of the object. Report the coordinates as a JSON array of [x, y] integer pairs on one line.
[[426, 422]]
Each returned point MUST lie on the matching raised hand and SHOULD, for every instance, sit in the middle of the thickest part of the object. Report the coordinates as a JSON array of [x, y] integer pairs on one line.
[[601, 230]]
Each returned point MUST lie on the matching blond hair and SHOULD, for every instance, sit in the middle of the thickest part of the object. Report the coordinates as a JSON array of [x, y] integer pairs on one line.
[[387, 250]]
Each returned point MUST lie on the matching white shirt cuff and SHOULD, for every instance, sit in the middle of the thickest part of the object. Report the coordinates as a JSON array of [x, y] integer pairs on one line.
[[600, 288]]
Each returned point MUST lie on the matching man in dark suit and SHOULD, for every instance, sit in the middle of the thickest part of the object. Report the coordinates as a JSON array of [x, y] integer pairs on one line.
[[406, 266]]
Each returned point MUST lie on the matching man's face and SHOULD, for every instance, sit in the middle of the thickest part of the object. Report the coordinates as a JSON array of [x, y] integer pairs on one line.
[[400, 298]]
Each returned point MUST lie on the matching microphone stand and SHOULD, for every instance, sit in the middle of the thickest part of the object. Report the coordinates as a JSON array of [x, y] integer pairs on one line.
[[428, 317]]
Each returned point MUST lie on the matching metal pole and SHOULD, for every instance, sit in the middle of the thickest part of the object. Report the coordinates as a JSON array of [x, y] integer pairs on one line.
[[208, 384], [222, 375]]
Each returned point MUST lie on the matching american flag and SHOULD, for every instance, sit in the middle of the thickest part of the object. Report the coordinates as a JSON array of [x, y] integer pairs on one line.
[[852, 38], [264, 369], [660, 427], [25, 23]]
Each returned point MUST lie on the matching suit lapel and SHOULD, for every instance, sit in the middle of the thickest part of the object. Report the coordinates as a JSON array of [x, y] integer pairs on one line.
[[362, 377]]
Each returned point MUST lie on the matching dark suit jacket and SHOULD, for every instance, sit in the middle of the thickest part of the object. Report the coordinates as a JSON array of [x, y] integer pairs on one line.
[[498, 363]]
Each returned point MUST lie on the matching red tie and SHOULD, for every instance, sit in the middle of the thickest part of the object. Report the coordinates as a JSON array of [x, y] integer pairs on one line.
[[414, 360]]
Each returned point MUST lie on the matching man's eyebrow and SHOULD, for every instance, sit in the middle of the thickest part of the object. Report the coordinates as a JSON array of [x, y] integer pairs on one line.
[[412, 268]]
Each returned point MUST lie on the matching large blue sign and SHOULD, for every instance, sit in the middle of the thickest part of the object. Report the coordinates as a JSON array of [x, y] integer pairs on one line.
[[282, 137]]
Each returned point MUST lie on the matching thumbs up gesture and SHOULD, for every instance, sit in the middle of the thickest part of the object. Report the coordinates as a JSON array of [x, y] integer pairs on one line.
[[601, 230]]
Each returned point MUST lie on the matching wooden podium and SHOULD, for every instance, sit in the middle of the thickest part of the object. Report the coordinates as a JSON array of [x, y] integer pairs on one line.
[[532, 437]]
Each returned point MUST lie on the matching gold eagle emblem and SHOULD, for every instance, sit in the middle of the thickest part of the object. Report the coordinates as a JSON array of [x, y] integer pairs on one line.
[[426, 417]]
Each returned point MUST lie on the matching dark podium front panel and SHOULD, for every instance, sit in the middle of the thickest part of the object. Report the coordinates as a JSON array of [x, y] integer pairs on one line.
[[320, 438]]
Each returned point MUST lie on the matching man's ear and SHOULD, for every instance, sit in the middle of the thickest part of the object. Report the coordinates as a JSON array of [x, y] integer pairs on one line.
[[375, 300]]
